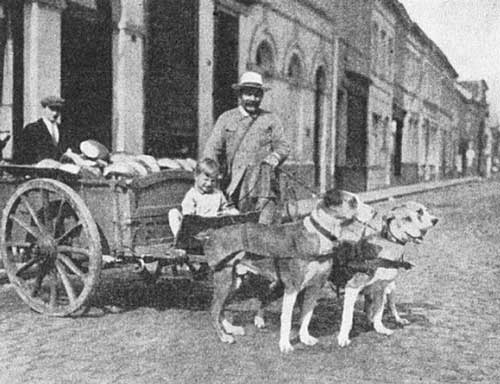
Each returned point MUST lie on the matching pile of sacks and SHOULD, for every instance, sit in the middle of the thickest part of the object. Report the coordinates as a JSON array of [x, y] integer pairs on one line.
[[95, 161]]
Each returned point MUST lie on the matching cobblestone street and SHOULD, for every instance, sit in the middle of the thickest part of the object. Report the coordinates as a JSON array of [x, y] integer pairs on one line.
[[162, 333]]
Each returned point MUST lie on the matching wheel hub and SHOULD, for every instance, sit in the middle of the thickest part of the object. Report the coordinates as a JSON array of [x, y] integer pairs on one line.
[[47, 246]]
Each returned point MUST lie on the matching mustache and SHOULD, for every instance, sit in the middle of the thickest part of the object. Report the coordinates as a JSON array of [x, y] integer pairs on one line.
[[250, 103]]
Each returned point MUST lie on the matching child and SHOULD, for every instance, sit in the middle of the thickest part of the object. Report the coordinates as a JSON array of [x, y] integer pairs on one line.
[[204, 198]]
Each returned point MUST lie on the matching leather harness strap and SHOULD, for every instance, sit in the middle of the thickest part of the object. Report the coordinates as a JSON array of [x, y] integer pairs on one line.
[[325, 232], [244, 237]]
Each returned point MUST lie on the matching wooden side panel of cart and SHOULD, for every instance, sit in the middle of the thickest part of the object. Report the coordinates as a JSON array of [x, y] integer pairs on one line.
[[133, 216]]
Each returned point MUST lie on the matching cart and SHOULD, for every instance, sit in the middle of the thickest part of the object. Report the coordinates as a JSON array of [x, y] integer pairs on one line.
[[57, 229]]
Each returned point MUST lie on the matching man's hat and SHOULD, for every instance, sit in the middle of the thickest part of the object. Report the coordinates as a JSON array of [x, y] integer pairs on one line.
[[250, 80], [52, 101]]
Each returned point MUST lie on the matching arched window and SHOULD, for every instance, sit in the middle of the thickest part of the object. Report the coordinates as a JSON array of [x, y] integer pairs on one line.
[[264, 59], [294, 70]]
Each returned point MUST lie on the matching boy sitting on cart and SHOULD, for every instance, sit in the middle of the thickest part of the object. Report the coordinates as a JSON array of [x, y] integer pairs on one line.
[[204, 199]]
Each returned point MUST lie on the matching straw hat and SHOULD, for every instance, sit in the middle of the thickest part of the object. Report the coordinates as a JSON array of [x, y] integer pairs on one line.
[[250, 79]]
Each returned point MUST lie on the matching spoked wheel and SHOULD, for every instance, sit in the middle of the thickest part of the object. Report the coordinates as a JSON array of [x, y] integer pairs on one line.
[[50, 247]]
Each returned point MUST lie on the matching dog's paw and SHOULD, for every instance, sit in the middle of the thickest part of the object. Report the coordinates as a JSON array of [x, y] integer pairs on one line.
[[259, 322], [285, 346], [233, 329], [379, 328], [237, 331], [228, 339], [308, 340], [402, 321], [343, 340]]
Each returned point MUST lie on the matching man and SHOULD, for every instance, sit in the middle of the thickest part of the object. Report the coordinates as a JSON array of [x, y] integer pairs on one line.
[[249, 143], [41, 139]]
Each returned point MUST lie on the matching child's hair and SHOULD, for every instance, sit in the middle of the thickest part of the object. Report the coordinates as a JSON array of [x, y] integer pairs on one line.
[[207, 166]]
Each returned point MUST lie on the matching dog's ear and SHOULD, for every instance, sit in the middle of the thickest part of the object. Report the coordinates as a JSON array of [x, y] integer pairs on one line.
[[333, 197], [387, 217], [386, 221], [350, 198]]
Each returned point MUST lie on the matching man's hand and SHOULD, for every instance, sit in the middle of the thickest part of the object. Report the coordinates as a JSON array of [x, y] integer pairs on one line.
[[272, 159]]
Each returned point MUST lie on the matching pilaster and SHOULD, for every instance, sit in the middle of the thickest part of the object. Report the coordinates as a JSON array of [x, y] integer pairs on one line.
[[42, 53], [128, 78], [205, 73]]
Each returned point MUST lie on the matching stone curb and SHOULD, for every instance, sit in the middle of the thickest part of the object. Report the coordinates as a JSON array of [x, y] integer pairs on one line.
[[379, 196], [394, 192]]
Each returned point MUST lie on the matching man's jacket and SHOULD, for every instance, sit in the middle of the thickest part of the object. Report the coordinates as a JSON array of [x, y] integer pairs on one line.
[[241, 143], [35, 144]]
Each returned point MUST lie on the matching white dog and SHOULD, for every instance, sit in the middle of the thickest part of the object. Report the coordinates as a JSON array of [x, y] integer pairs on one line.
[[404, 224]]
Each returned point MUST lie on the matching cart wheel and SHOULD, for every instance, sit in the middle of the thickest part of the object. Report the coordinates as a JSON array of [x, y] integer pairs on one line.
[[50, 247]]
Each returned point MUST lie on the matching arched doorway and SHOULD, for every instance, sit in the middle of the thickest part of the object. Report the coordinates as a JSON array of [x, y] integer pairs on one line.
[[319, 106], [294, 76], [86, 72]]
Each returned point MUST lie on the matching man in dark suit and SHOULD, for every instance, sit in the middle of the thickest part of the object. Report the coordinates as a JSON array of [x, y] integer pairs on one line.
[[42, 139]]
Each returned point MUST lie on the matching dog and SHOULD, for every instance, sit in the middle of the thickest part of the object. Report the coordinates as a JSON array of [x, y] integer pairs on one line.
[[389, 235], [298, 256]]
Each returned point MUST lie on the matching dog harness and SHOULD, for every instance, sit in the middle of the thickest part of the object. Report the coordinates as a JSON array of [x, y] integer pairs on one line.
[[325, 232]]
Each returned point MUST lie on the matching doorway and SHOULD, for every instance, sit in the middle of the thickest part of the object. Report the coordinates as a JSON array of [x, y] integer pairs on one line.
[[225, 61], [398, 148], [86, 73], [319, 106], [171, 80]]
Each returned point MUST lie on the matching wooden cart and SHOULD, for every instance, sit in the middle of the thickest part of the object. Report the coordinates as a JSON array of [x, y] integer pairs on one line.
[[55, 230]]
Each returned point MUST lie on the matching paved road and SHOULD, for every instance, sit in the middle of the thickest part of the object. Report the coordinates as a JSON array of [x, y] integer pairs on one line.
[[163, 334]]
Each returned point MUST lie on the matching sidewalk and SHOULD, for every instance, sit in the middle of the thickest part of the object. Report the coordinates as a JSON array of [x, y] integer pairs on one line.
[[381, 195], [403, 190]]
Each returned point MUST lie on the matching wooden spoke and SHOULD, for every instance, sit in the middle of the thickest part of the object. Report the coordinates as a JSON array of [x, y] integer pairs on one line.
[[27, 266], [69, 263], [53, 290], [68, 232], [26, 227], [66, 282], [45, 206], [38, 280], [32, 213], [19, 244], [58, 216], [77, 250]]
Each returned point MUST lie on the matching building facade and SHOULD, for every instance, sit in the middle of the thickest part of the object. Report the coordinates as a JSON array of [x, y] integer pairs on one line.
[[367, 99]]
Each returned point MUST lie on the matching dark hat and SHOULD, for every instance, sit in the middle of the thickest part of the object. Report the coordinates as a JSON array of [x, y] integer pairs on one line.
[[52, 101], [250, 80]]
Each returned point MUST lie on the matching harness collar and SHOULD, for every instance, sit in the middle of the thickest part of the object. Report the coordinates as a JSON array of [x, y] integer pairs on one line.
[[325, 232], [389, 236]]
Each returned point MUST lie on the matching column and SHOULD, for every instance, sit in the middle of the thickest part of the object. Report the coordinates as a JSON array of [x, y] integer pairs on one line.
[[7, 81], [205, 71], [42, 53], [128, 76]]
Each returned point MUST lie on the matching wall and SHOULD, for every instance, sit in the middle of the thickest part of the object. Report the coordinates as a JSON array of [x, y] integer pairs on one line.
[[295, 33]]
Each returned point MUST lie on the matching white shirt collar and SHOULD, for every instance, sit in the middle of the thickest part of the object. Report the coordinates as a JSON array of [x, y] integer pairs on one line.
[[52, 128]]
